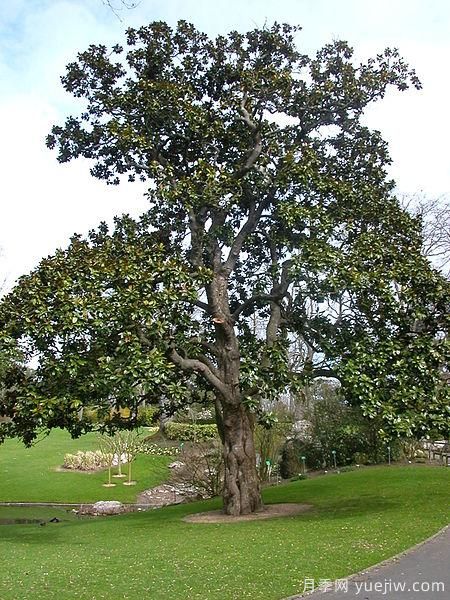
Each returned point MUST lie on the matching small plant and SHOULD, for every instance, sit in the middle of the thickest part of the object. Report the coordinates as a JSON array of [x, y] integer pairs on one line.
[[107, 449], [155, 450], [132, 445]]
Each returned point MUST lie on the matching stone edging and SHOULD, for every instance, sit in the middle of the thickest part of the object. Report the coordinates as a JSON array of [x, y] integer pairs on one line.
[[68, 504]]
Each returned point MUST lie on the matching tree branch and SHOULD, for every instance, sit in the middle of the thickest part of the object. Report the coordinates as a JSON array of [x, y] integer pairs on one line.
[[203, 305], [193, 364], [252, 300], [209, 346], [201, 365], [255, 152], [279, 290], [254, 215], [196, 227]]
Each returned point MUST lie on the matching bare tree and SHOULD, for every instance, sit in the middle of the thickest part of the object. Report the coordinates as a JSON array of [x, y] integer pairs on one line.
[[435, 216], [116, 6]]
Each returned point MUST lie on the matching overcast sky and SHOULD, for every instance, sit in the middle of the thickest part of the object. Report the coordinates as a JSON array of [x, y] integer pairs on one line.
[[43, 202]]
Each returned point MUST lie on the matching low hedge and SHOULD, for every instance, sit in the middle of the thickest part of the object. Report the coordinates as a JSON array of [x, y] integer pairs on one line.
[[190, 432]]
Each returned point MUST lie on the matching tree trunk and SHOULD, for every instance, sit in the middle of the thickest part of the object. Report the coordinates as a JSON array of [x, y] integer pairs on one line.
[[242, 493]]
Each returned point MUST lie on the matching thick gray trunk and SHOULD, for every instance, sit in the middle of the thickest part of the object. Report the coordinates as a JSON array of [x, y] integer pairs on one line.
[[242, 493]]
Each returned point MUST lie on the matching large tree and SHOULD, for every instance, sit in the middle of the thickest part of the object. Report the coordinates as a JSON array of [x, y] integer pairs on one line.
[[268, 196]]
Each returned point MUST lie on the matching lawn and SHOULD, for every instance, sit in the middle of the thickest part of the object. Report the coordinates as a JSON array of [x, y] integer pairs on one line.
[[359, 518], [32, 475]]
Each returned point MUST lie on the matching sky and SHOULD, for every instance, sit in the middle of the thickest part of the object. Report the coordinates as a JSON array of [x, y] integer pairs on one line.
[[43, 203]]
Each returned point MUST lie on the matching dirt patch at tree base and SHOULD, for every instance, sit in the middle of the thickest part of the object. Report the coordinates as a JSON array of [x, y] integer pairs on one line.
[[270, 511]]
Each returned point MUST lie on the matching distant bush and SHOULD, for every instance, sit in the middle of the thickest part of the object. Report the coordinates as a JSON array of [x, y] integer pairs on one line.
[[195, 414], [201, 468], [291, 463], [187, 432], [268, 444], [361, 458], [341, 432], [410, 449], [347, 468], [148, 415], [90, 415], [299, 477]]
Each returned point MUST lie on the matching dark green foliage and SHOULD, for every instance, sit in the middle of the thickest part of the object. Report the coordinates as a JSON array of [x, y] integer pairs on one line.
[[269, 202], [81, 314], [268, 442], [291, 463], [336, 425]]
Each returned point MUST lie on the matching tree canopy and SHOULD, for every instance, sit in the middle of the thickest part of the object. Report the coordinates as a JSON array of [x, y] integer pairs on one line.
[[269, 205]]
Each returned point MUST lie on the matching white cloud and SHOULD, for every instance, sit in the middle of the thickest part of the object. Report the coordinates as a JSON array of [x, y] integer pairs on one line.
[[44, 203], [416, 126]]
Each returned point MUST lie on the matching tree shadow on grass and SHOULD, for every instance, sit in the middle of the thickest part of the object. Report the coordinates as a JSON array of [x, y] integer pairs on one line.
[[353, 507], [42, 532]]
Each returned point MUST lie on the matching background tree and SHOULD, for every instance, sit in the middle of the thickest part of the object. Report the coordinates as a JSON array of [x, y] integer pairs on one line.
[[116, 6], [267, 196], [434, 214]]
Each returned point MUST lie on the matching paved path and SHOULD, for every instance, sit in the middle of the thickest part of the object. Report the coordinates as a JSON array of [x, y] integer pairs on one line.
[[423, 573]]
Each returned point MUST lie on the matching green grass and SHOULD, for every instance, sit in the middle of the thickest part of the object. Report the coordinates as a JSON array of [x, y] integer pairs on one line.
[[31, 474], [359, 518]]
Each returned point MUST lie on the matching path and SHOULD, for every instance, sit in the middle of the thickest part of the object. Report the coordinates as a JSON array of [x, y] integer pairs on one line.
[[422, 573]]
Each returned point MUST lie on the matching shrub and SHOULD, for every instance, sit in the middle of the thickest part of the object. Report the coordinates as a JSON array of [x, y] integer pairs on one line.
[[268, 444], [148, 415], [299, 477], [90, 415], [187, 432], [361, 458], [410, 449], [291, 463], [87, 461], [195, 414], [335, 425], [347, 469], [201, 469]]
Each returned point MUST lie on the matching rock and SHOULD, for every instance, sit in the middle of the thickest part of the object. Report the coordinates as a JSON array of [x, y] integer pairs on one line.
[[167, 493], [107, 507], [176, 465]]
